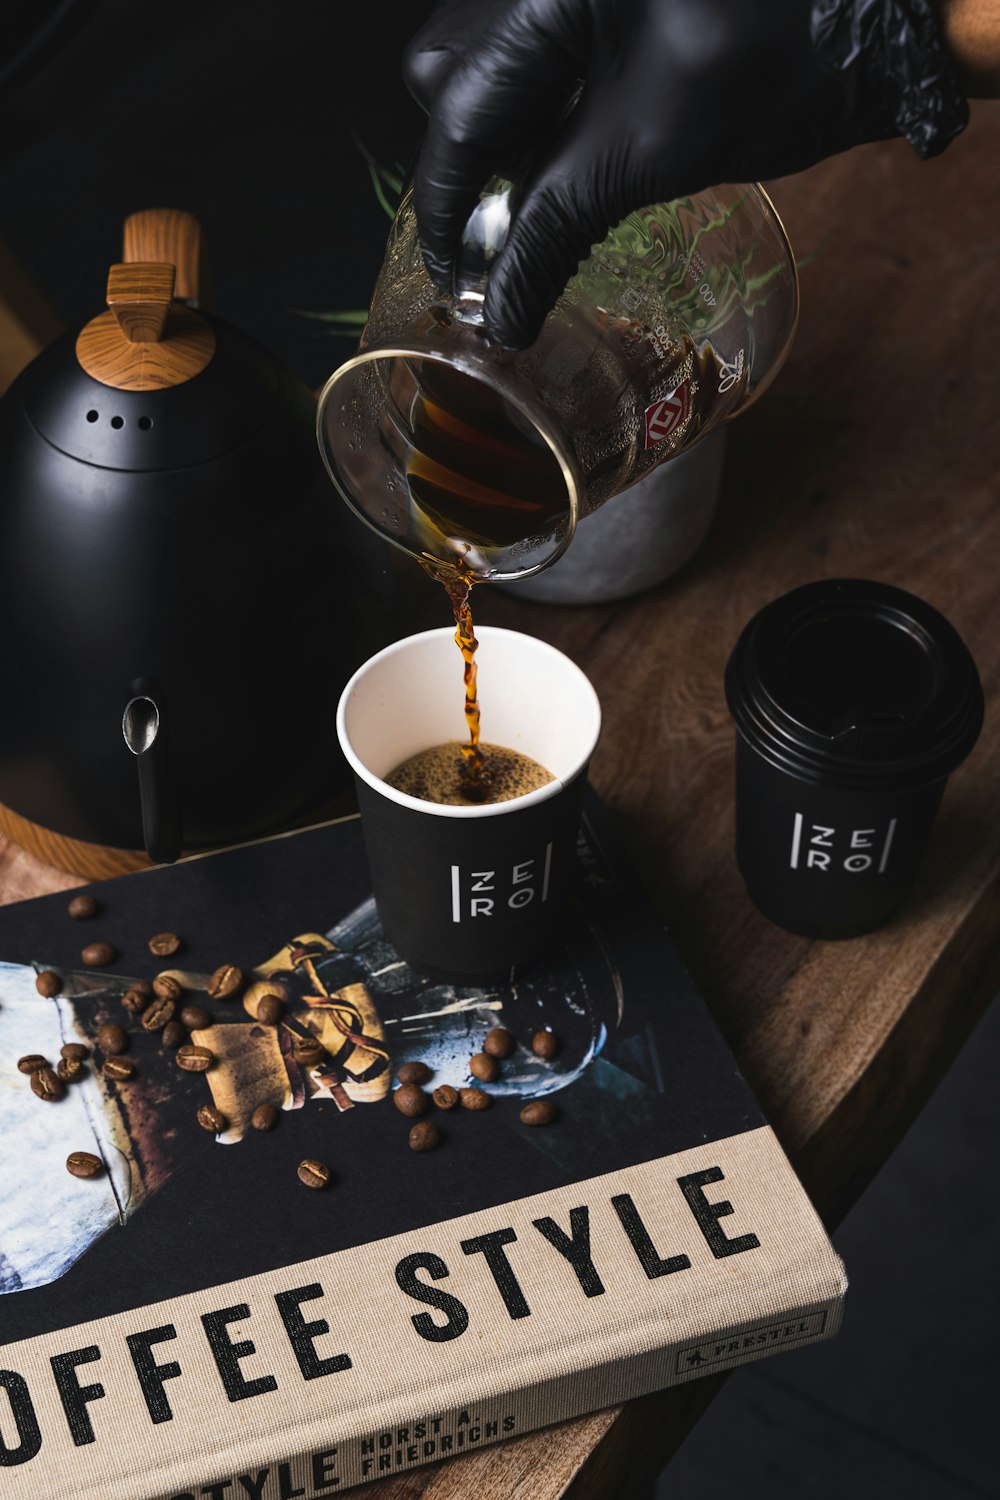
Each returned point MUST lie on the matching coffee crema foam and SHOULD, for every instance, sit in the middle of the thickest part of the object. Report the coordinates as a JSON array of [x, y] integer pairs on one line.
[[441, 774]]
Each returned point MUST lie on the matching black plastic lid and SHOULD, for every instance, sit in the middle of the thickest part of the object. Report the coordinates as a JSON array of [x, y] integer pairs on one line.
[[855, 684]]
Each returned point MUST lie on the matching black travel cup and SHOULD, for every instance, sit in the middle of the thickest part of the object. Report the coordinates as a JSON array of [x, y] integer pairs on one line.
[[853, 703]]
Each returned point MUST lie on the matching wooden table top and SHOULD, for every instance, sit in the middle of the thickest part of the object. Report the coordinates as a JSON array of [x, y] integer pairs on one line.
[[876, 454]]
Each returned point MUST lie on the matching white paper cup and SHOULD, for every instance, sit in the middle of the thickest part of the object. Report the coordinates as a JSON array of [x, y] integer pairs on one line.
[[470, 892]]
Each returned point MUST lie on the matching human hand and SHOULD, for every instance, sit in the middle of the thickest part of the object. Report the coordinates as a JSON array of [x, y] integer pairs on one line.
[[676, 95]]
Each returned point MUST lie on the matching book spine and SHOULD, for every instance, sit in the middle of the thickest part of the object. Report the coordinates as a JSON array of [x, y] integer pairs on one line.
[[323, 1468]]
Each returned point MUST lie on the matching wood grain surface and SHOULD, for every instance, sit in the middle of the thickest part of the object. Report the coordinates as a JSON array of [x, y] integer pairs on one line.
[[876, 454], [139, 294], [173, 235]]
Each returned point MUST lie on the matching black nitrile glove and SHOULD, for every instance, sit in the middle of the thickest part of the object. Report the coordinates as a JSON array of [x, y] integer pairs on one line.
[[677, 95]]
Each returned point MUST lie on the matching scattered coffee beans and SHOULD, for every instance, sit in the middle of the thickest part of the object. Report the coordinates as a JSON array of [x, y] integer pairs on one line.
[[74, 1049], [48, 983], [118, 1068], [98, 955], [195, 1017], [499, 1042], [47, 1084], [210, 1118], [172, 1035], [545, 1044], [308, 1050], [314, 1174], [444, 1096], [424, 1136], [474, 1099], [164, 944], [538, 1112], [137, 997], [31, 1062], [81, 908], [225, 982], [112, 1039], [411, 1100], [265, 1117], [157, 1014], [484, 1067], [84, 1164], [195, 1059], [71, 1069], [414, 1072], [269, 1010], [167, 987]]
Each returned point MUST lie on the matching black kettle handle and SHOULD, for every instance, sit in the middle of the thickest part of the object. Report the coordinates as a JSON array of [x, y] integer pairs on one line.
[[145, 728]]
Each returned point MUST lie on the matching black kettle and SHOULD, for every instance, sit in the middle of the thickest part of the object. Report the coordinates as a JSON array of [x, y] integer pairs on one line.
[[182, 595]]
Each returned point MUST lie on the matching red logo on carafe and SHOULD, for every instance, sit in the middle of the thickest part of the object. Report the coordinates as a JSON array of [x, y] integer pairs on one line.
[[665, 416]]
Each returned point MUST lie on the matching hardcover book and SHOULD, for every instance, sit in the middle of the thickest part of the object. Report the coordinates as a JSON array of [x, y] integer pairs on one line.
[[195, 1321]]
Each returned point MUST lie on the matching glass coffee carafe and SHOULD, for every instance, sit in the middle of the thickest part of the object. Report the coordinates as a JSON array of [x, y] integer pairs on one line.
[[481, 459]]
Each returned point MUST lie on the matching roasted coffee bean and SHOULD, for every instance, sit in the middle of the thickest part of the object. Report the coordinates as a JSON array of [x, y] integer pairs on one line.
[[167, 987], [225, 982], [31, 1062], [137, 996], [210, 1118], [411, 1100], [499, 1042], [164, 944], [118, 1068], [48, 983], [414, 1072], [98, 955], [269, 1010], [157, 1014], [265, 1117], [474, 1099], [71, 1069], [46, 1084], [484, 1067], [538, 1112], [445, 1097], [84, 1164], [172, 1035], [195, 1059], [314, 1174], [545, 1044], [195, 1017], [112, 1039], [424, 1136], [308, 1050], [81, 908], [74, 1049], [276, 987]]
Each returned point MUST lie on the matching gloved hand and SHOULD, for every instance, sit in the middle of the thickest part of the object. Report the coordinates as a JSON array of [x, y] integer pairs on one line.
[[677, 95]]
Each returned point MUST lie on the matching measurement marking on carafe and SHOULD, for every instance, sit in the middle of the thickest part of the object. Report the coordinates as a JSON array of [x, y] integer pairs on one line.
[[456, 895], [887, 846], [796, 840]]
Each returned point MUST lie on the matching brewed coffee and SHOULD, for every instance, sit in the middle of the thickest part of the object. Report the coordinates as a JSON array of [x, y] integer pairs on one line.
[[441, 774]]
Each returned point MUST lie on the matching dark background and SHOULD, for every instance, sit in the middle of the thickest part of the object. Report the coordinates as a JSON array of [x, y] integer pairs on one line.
[[243, 112]]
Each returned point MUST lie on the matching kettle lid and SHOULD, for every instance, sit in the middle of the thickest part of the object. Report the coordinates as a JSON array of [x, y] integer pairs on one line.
[[153, 382]]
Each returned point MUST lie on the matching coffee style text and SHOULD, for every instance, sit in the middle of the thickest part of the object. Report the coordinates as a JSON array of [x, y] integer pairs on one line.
[[75, 1372]]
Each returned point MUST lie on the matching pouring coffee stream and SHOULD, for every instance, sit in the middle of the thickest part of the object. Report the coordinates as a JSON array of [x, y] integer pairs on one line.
[[480, 461]]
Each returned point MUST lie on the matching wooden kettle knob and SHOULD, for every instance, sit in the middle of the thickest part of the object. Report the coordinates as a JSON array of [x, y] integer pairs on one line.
[[149, 339], [140, 295]]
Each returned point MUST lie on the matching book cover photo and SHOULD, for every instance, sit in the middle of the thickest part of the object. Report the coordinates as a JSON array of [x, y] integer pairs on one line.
[[216, 1308]]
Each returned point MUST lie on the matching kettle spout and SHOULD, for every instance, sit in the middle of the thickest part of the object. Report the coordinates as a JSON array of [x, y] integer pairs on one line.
[[144, 727]]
